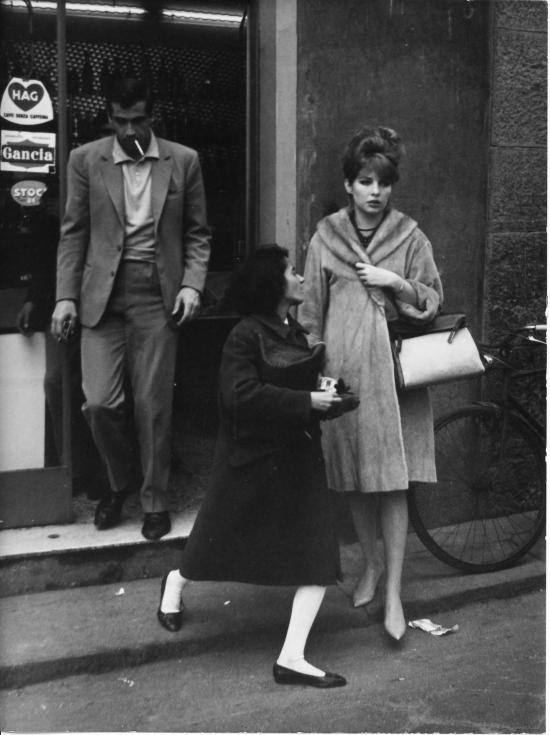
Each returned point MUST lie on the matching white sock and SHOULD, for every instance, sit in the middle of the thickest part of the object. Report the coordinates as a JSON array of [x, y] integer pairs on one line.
[[305, 606], [171, 599], [301, 666]]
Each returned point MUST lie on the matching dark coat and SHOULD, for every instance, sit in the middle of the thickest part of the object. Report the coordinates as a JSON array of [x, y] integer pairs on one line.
[[266, 517]]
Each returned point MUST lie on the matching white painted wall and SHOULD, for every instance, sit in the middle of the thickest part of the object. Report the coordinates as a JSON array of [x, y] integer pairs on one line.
[[22, 407]]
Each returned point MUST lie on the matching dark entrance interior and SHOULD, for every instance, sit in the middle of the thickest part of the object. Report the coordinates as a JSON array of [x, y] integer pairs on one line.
[[195, 57]]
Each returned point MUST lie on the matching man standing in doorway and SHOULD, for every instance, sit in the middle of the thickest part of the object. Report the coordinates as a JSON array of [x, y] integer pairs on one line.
[[132, 263]]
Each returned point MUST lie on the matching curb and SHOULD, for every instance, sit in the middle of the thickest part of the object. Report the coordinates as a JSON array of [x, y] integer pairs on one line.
[[244, 630]]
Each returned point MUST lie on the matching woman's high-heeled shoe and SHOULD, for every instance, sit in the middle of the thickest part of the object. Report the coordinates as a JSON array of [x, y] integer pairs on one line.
[[392, 640], [396, 636], [360, 599], [169, 621]]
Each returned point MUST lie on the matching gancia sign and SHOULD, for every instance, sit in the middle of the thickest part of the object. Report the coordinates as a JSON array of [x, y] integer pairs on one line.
[[27, 151], [26, 102]]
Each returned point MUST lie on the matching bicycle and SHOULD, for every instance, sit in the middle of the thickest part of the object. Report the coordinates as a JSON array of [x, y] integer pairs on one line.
[[488, 506]]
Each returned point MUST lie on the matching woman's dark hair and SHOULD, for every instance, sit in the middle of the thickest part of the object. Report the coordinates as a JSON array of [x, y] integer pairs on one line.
[[259, 284], [127, 91], [379, 148]]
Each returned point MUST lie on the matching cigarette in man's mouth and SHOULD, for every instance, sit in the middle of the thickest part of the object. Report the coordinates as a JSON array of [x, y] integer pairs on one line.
[[140, 149]]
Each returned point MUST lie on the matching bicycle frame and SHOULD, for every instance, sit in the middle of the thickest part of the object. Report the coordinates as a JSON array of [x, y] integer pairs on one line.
[[508, 402]]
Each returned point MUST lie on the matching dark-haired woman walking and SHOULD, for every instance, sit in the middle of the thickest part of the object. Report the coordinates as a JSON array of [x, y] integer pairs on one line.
[[266, 518], [366, 265]]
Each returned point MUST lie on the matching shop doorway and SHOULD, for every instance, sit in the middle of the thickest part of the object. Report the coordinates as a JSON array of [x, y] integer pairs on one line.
[[197, 57]]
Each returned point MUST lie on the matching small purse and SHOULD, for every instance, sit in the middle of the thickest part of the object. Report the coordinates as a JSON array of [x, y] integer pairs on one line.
[[439, 352]]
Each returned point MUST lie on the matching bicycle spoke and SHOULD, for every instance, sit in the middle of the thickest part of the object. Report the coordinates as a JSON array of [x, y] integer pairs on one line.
[[487, 507]]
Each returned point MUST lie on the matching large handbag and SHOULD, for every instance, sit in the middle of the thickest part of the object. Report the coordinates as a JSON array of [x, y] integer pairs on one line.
[[439, 352]]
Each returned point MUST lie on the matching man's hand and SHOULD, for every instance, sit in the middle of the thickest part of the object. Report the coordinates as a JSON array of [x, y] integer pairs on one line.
[[186, 305], [64, 319], [23, 319]]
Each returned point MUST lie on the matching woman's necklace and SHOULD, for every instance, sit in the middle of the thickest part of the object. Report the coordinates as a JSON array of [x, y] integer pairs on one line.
[[365, 234]]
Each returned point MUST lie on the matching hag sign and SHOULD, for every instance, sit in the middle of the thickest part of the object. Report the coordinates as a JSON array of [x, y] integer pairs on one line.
[[28, 193], [28, 151], [26, 102]]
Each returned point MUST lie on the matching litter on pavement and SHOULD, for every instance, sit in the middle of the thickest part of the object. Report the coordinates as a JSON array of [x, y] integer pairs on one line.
[[430, 627]]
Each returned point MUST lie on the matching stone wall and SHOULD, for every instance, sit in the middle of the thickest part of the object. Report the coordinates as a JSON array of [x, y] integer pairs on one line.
[[422, 68], [515, 266]]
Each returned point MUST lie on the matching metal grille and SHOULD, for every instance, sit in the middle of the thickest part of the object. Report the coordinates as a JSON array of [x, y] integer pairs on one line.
[[203, 87]]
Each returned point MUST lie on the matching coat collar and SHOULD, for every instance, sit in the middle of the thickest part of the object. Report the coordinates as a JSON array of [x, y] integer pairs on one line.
[[339, 234], [340, 237], [274, 323]]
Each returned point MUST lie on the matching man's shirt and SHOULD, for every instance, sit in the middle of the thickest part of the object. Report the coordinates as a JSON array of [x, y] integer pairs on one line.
[[139, 227]]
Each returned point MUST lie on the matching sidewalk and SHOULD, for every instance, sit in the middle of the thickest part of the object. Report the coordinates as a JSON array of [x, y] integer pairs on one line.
[[108, 626]]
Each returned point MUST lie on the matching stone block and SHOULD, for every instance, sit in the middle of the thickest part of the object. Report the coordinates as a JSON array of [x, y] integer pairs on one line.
[[519, 89], [515, 280], [517, 190], [521, 14]]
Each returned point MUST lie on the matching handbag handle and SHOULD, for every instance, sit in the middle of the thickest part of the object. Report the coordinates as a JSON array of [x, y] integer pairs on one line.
[[459, 323]]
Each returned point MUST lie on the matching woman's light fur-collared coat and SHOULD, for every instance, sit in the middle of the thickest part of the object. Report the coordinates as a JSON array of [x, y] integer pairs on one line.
[[388, 441]]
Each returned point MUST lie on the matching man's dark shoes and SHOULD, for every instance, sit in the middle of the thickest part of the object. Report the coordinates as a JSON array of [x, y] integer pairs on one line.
[[169, 621], [108, 510], [282, 675], [156, 525]]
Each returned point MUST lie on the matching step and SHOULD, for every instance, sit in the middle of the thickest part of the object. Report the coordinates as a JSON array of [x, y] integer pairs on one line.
[[112, 626], [45, 558]]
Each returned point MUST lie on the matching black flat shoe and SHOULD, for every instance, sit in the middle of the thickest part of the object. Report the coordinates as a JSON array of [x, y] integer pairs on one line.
[[156, 525], [282, 675], [108, 511], [169, 621]]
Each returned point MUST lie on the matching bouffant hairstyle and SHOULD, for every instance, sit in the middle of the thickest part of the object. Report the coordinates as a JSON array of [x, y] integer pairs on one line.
[[127, 91], [259, 284], [379, 148]]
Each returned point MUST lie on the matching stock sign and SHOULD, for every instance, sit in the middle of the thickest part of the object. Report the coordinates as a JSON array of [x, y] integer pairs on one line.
[[28, 193]]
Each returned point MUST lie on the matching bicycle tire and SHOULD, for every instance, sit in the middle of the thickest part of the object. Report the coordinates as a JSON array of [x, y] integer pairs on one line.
[[487, 508]]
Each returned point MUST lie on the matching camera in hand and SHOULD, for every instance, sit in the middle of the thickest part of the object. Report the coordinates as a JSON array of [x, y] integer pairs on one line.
[[337, 386]]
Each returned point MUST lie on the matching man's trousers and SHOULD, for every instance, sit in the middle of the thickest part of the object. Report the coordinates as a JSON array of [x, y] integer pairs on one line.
[[134, 339], [88, 473]]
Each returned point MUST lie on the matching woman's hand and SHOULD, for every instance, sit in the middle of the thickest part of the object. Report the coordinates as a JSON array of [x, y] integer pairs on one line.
[[323, 401], [370, 275]]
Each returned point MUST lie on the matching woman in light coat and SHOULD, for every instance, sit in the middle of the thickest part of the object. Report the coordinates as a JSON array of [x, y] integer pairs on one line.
[[368, 264]]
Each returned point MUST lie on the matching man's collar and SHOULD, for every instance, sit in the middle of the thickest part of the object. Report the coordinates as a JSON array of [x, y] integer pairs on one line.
[[120, 155]]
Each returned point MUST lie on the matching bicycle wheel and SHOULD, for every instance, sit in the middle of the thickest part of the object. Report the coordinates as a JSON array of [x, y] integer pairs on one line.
[[487, 508]]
